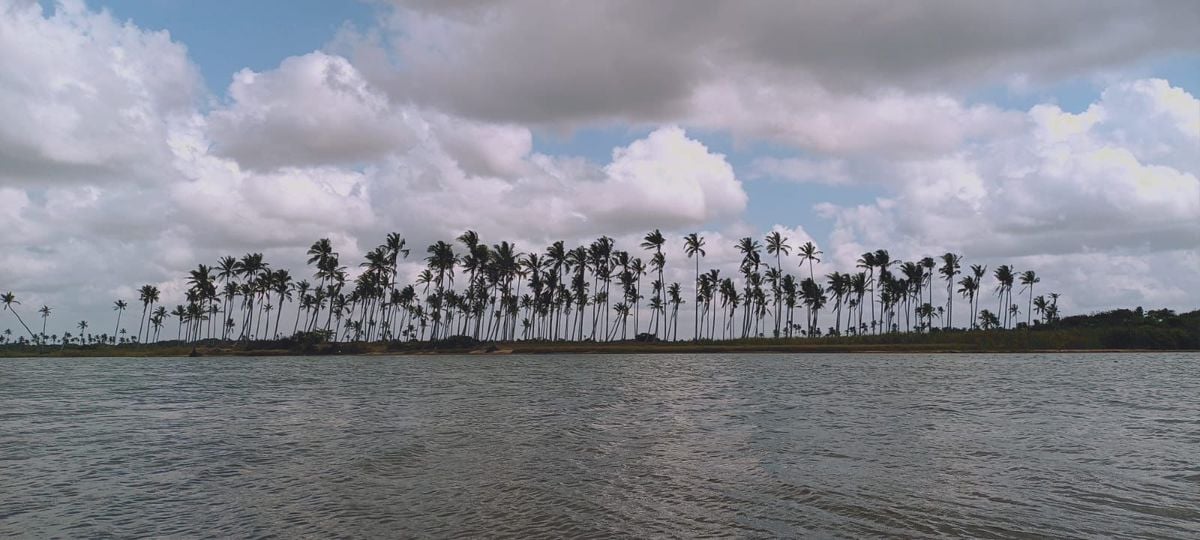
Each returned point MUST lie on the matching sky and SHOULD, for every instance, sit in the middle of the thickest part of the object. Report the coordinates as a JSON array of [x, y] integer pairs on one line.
[[143, 137]]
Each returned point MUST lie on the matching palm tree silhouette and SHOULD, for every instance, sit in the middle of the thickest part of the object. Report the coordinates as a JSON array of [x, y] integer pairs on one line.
[[883, 261], [9, 301], [1004, 278], [441, 261], [119, 306], [949, 269], [45, 312], [546, 294], [693, 245], [1028, 279], [777, 245], [654, 241], [809, 252]]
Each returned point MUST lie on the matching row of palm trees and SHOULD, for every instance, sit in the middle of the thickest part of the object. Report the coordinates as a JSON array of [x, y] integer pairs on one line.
[[586, 292]]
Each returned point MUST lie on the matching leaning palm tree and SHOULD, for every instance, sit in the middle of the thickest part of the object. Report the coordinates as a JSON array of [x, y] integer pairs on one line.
[[9, 301], [693, 245], [1028, 279], [119, 306]]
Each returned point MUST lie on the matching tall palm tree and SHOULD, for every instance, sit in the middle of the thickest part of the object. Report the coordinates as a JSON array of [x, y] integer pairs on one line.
[[9, 301], [777, 245], [883, 261], [119, 306], [751, 260], [968, 287], [45, 312], [977, 272], [148, 295], [839, 285], [949, 269], [859, 282], [1028, 279], [1004, 282], [160, 315], [867, 261], [281, 285], [693, 245], [441, 260], [654, 241]]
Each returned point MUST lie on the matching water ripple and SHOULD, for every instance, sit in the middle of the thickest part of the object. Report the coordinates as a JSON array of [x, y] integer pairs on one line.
[[710, 446]]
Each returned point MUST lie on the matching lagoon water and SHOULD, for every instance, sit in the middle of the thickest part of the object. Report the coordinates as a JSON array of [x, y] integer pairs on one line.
[[1073, 445]]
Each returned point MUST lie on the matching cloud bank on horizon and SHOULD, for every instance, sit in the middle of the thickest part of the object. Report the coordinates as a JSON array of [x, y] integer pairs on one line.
[[919, 128]]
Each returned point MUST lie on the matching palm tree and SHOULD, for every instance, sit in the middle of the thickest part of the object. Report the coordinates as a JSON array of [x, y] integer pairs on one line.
[[1028, 279], [968, 287], [839, 285], [148, 295], [1004, 278], [777, 245], [1041, 306], [441, 260], [675, 297], [82, 327], [281, 285], [867, 261], [883, 261], [949, 269], [654, 241], [180, 315], [160, 315], [809, 252], [45, 311], [977, 273], [9, 301], [119, 306], [987, 320], [693, 245]]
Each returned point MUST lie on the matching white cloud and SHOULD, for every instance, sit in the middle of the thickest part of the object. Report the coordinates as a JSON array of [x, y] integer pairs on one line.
[[804, 115], [312, 110], [86, 96], [1065, 188]]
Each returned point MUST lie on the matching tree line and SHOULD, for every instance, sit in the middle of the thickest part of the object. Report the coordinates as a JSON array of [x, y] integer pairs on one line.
[[586, 292]]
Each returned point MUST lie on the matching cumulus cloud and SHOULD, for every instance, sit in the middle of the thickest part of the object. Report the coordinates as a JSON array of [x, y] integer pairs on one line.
[[86, 96], [312, 110], [1100, 181]]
